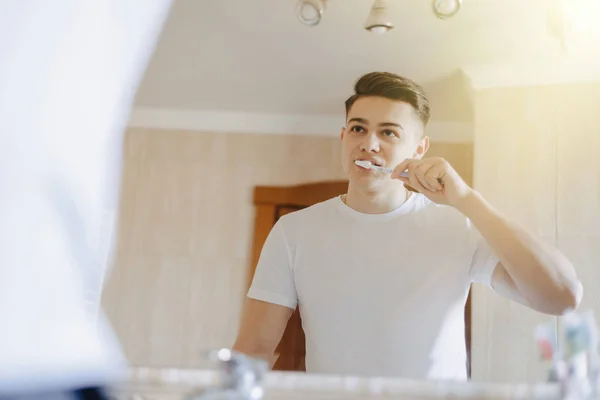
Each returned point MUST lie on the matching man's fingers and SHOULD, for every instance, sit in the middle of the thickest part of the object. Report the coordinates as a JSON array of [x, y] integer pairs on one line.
[[402, 167], [434, 176], [421, 172], [413, 180]]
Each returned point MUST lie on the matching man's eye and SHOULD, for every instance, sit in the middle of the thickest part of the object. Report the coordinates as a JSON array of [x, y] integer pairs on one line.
[[358, 129], [388, 133]]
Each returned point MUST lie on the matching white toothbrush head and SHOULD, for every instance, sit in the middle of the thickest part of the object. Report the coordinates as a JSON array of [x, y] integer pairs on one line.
[[364, 163], [369, 165]]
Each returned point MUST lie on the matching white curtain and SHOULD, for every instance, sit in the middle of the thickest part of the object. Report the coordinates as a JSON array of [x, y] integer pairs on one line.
[[69, 70]]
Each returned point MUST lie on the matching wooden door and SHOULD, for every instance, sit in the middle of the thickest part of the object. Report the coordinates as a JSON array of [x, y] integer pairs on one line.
[[291, 350], [272, 202]]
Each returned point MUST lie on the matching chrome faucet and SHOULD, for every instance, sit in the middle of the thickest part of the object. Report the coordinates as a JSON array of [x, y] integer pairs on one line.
[[240, 377]]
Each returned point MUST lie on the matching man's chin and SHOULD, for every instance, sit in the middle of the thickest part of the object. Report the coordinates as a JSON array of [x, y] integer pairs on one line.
[[367, 181]]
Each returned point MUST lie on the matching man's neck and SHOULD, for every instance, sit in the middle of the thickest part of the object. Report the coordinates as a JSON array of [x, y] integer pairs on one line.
[[375, 202]]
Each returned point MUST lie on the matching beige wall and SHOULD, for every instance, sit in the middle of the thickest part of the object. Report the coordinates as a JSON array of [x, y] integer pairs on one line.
[[537, 158], [185, 232]]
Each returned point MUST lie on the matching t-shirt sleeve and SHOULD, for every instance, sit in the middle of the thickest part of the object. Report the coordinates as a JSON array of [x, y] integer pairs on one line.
[[484, 259], [273, 280]]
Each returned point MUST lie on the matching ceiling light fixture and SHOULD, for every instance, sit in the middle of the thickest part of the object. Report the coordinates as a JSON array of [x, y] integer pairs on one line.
[[310, 12], [378, 20], [445, 8]]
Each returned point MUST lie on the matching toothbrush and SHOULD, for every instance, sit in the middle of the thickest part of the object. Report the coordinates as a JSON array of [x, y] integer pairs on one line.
[[369, 165]]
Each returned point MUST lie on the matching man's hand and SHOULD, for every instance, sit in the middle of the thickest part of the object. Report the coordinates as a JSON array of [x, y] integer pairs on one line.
[[530, 271], [435, 178]]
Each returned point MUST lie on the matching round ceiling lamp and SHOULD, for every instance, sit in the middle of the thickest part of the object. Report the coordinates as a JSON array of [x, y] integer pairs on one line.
[[310, 12], [446, 8]]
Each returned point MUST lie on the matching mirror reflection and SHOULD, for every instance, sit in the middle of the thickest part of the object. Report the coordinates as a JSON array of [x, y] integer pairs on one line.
[[383, 192]]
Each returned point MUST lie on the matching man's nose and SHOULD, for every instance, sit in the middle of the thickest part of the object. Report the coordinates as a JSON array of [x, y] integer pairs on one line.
[[370, 142]]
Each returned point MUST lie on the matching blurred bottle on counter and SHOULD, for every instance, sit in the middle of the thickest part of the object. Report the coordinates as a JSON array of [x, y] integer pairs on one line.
[[573, 355]]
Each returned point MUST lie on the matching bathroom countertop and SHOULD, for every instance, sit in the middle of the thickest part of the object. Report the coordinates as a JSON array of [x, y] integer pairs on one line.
[[159, 384]]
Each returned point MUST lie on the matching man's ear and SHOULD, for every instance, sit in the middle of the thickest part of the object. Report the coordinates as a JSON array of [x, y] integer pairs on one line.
[[422, 148], [342, 133]]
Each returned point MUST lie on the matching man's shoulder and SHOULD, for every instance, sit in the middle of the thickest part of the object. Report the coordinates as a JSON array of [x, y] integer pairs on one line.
[[309, 220], [437, 214], [310, 214], [423, 205]]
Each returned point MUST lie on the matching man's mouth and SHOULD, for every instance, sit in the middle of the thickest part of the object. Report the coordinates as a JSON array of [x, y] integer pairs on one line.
[[374, 162]]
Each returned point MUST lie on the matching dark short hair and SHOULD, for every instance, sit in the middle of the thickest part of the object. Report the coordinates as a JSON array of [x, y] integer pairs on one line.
[[393, 87]]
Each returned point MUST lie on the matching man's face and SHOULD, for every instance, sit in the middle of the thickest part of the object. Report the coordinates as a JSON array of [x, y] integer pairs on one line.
[[383, 131]]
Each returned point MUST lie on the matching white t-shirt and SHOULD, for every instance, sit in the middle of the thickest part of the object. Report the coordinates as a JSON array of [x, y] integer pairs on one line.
[[379, 294]]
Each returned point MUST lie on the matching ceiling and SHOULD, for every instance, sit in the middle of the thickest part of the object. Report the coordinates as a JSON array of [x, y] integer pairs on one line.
[[254, 55]]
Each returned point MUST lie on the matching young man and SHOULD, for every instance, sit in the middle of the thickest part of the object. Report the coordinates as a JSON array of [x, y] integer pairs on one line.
[[382, 274]]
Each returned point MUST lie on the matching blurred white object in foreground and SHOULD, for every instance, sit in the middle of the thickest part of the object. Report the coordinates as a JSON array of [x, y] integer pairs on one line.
[[68, 72]]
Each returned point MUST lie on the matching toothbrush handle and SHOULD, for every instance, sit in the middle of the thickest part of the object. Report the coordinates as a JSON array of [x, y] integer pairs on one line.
[[390, 170]]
